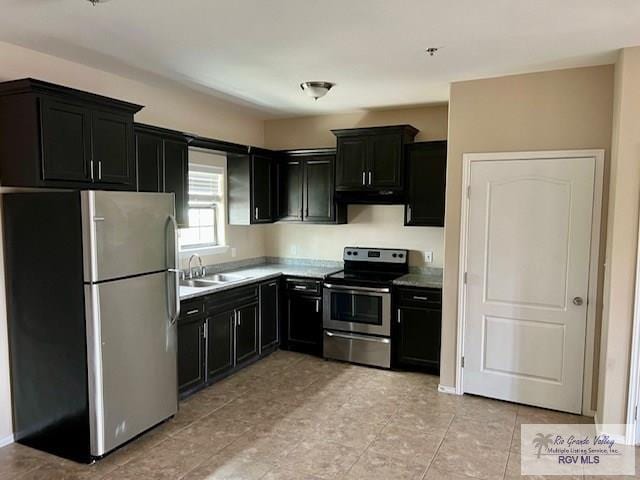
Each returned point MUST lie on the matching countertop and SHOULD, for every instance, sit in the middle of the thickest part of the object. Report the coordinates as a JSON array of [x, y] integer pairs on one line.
[[259, 273], [422, 280]]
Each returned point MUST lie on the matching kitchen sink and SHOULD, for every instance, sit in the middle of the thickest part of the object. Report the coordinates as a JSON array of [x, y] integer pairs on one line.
[[224, 278], [211, 280], [198, 283]]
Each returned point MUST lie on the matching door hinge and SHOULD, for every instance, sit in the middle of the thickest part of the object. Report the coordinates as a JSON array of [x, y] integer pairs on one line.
[[635, 415], [462, 362], [464, 278], [468, 191]]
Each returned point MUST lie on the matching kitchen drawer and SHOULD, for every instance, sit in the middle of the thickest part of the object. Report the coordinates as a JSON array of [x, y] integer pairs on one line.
[[234, 297], [303, 285], [191, 309], [428, 297]]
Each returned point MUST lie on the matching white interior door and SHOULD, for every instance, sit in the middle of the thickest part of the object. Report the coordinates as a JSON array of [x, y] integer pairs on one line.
[[528, 253]]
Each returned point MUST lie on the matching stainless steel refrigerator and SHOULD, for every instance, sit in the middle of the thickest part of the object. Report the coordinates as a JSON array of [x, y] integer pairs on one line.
[[93, 285]]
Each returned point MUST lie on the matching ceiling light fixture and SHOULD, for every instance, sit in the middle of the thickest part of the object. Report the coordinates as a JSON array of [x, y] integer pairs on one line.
[[95, 2], [432, 51], [316, 89]]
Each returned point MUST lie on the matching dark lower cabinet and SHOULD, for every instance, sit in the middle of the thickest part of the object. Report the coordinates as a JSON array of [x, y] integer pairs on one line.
[[269, 311], [246, 332], [303, 320], [417, 331], [220, 329], [427, 171], [191, 354]]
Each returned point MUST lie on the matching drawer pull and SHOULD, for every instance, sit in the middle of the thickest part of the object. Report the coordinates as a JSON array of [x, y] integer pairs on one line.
[[299, 287], [191, 312], [415, 297]]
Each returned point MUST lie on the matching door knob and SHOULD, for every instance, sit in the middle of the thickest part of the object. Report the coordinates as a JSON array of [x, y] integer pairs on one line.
[[578, 301]]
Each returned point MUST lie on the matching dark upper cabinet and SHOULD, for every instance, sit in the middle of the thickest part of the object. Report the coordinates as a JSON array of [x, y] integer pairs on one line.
[[351, 171], [220, 331], [385, 161], [113, 148], [246, 332], [290, 178], [66, 141], [54, 136], [150, 162], [262, 188], [417, 333], [162, 162], [371, 161], [191, 354], [307, 187], [251, 182], [176, 180], [269, 311], [427, 171]]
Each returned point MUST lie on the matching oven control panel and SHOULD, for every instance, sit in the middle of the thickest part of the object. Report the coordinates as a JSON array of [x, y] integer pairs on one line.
[[377, 255]]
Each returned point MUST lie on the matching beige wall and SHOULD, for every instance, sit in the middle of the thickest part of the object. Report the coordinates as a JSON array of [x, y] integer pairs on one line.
[[166, 106], [622, 240], [563, 109], [368, 225]]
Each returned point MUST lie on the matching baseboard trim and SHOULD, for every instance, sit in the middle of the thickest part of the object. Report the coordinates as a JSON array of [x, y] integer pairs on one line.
[[622, 439], [6, 440], [447, 389]]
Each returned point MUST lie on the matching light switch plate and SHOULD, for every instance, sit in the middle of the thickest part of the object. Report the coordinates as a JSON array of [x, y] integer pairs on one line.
[[428, 256]]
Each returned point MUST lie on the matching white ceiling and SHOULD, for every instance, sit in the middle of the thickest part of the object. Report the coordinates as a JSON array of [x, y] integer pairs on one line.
[[258, 51]]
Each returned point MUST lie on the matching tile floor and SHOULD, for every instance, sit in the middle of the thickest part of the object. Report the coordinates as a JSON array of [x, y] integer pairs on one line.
[[296, 417]]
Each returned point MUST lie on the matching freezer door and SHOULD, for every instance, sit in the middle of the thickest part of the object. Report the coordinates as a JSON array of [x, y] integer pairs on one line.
[[127, 233], [132, 358]]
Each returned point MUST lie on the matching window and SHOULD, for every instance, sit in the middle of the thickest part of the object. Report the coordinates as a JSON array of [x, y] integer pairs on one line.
[[205, 207]]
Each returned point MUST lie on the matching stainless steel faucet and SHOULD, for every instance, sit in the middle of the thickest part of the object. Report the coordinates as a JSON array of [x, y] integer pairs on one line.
[[190, 270]]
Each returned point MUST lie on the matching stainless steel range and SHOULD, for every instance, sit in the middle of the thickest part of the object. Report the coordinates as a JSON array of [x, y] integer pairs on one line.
[[357, 305]]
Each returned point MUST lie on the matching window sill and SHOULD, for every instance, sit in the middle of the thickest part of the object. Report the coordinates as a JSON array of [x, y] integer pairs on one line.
[[215, 250]]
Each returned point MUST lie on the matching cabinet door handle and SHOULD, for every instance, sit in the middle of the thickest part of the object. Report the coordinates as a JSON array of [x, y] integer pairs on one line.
[[420, 298], [299, 287], [317, 305], [369, 177], [273, 284], [91, 167], [364, 178], [408, 213], [257, 213], [191, 312], [399, 315], [99, 169], [205, 330], [239, 318]]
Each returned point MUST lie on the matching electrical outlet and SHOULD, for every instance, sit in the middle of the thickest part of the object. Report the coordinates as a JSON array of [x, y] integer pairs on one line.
[[234, 252], [428, 256]]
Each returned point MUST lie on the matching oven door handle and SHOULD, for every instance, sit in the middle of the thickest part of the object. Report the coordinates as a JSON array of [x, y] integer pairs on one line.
[[356, 289], [355, 336]]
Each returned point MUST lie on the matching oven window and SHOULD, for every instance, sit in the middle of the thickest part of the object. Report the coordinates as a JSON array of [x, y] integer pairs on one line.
[[356, 308]]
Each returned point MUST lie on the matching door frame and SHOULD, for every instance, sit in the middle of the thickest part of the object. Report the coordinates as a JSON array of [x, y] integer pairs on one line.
[[632, 434], [467, 160]]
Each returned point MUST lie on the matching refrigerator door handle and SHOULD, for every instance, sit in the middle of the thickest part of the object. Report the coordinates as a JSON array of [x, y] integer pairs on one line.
[[175, 270]]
